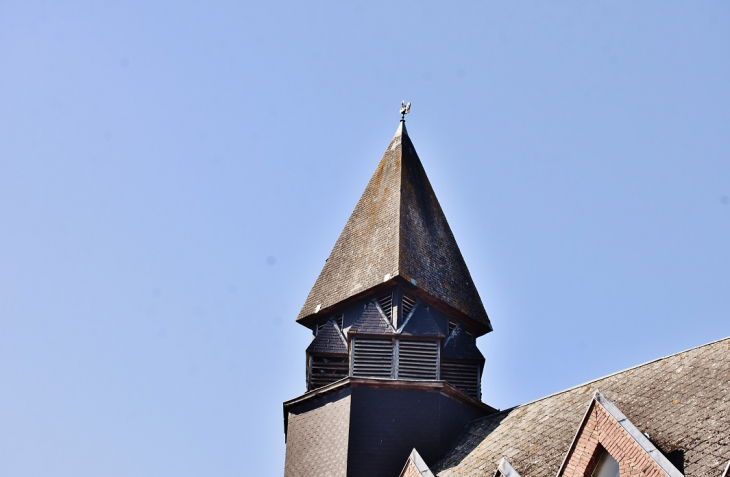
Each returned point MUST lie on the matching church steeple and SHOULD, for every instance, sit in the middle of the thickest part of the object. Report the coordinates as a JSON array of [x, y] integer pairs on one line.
[[398, 234], [393, 364]]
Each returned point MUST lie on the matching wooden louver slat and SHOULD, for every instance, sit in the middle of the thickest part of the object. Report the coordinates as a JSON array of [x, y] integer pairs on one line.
[[464, 376], [326, 369], [372, 358], [408, 304], [386, 303], [418, 359]]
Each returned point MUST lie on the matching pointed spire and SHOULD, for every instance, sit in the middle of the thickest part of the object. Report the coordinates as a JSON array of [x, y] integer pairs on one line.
[[401, 129], [397, 234]]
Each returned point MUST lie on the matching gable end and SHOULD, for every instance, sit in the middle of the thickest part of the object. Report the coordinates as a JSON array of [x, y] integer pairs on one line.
[[605, 427]]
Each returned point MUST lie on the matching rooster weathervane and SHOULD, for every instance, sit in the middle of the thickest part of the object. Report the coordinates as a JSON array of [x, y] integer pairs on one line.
[[404, 109]]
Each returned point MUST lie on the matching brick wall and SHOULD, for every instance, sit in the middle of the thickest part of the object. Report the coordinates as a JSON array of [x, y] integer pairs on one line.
[[410, 470], [601, 431]]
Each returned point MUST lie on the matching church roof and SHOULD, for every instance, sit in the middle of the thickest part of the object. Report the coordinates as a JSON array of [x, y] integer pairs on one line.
[[681, 403], [397, 232]]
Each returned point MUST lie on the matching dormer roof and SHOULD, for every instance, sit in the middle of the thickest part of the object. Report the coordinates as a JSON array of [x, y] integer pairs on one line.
[[605, 428]]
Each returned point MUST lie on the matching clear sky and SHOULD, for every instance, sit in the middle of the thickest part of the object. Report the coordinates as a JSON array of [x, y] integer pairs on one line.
[[174, 174]]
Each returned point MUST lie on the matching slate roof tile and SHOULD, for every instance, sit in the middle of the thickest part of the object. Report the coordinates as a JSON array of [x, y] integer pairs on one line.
[[329, 340], [372, 321], [421, 323], [317, 441], [682, 401], [397, 230], [459, 345]]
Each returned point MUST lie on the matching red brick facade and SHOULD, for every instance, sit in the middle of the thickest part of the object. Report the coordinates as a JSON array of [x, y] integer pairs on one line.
[[601, 431], [410, 470]]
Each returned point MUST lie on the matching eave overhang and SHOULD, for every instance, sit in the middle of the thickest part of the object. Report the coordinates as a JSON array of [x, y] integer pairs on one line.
[[479, 328]]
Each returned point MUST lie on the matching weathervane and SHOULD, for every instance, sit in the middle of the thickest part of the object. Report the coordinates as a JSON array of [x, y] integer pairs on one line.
[[404, 109]]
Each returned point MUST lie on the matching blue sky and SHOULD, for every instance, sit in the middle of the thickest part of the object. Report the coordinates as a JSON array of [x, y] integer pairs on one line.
[[173, 176]]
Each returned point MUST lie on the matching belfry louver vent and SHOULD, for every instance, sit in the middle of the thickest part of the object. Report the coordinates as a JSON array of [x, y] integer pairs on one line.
[[418, 359], [372, 358], [408, 304], [324, 370], [464, 376], [386, 303]]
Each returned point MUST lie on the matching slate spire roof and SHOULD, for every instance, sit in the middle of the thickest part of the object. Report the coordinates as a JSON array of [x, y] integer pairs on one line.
[[397, 232]]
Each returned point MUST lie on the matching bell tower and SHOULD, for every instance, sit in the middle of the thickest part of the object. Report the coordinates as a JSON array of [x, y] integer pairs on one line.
[[393, 363]]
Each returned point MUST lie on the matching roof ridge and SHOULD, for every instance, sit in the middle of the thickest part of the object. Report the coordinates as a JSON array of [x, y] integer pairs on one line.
[[599, 379]]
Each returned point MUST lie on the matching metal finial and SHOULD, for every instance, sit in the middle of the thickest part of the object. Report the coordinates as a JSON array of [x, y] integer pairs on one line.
[[404, 109]]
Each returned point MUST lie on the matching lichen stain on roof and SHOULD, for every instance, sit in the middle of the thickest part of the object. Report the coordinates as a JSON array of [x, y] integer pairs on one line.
[[685, 413], [398, 229]]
